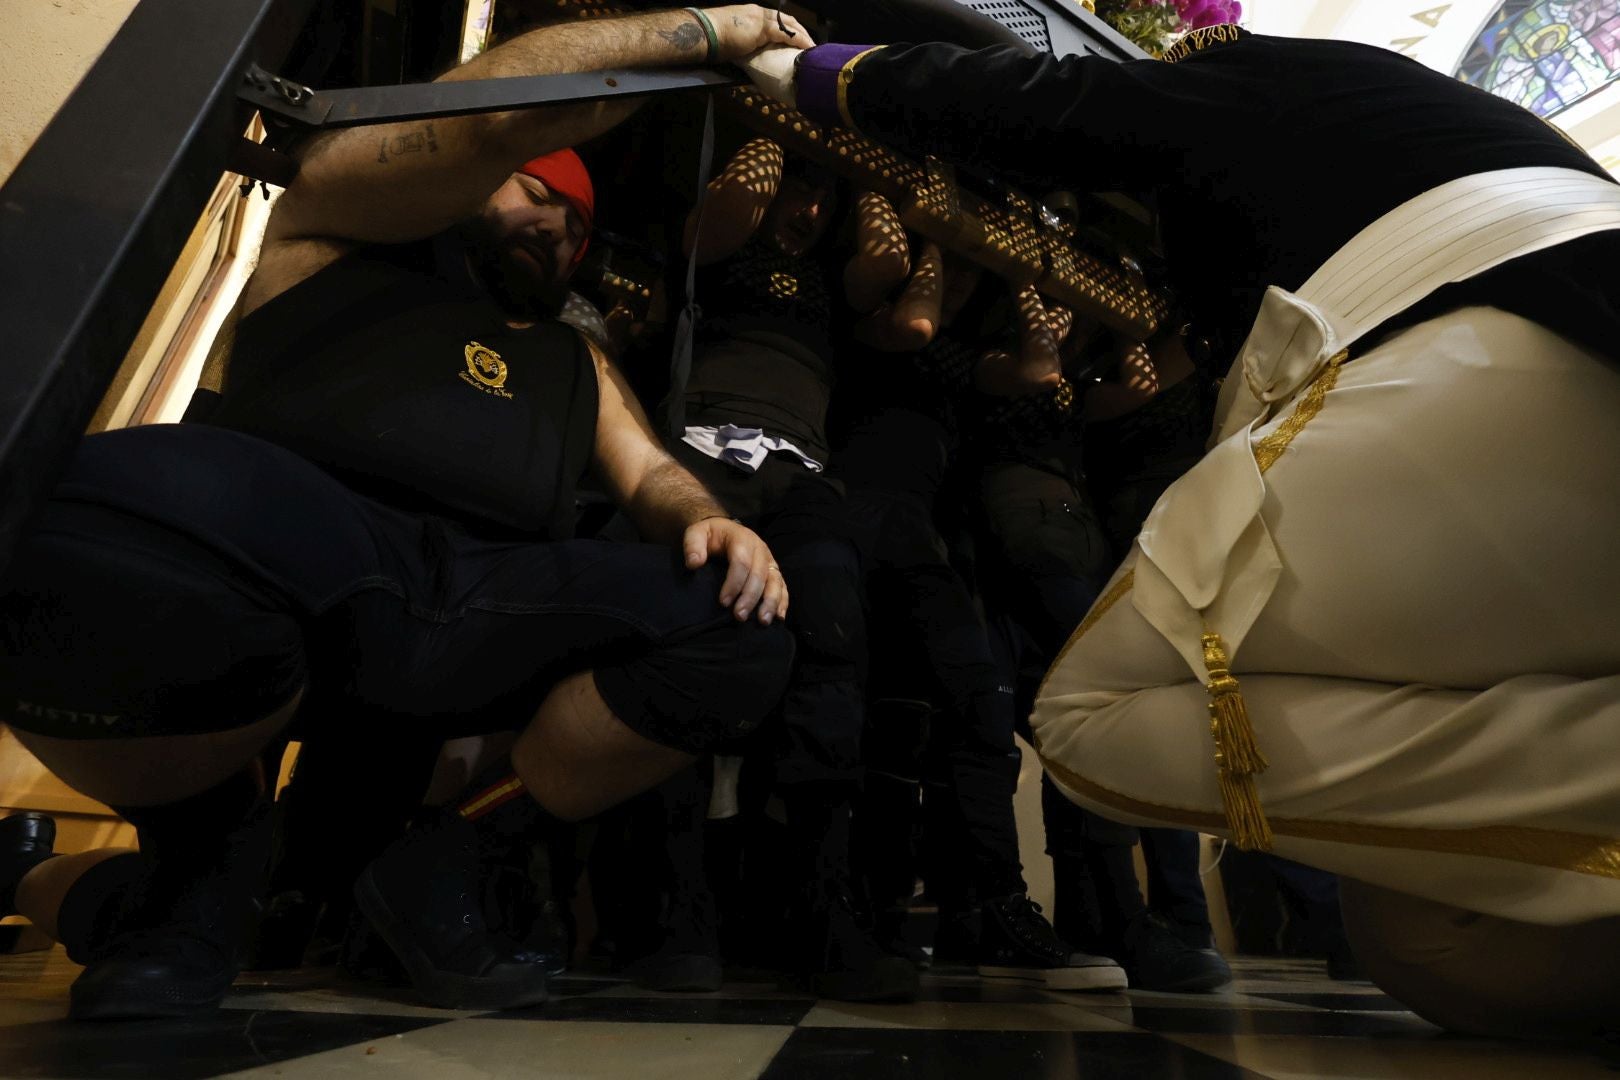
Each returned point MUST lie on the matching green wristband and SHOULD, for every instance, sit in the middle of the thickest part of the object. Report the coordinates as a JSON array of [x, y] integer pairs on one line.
[[708, 28]]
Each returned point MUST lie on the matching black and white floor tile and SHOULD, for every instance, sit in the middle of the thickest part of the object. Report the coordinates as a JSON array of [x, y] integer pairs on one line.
[[1281, 1019]]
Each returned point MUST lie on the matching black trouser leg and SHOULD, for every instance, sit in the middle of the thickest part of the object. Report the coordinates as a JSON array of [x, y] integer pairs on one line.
[[1174, 888], [888, 811], [1093, 870], [350, 795], [971, 762]]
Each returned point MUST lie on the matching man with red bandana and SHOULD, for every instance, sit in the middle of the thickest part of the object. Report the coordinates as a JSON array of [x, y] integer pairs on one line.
[[374, 528]]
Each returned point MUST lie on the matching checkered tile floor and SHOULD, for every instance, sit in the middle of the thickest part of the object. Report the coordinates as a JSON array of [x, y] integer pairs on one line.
[[1281, 1019]]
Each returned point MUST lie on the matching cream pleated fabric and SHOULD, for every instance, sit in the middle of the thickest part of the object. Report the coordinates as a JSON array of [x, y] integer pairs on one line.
[[1434, 672]]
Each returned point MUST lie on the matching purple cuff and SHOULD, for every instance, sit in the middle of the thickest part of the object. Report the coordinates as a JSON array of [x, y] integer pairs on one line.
[[816, 79]]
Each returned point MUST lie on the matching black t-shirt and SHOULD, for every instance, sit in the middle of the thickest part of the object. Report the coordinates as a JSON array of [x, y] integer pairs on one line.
[[392, 370], [1266, 155], [763, 355]]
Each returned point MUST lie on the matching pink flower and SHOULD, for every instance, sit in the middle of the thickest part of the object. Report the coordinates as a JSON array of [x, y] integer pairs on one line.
[[1196, 14]]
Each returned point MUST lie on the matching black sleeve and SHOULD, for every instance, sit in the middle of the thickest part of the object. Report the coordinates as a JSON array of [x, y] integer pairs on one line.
[[1080, 122]]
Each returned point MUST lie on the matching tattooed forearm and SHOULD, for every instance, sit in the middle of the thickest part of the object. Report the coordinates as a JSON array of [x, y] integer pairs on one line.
[[412, 142], [685, 37]]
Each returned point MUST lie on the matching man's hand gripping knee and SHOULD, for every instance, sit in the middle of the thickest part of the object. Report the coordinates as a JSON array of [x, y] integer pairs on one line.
[[753, 582]]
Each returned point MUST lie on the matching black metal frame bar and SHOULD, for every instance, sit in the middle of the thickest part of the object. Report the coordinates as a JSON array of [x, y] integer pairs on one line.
[[425, 101]]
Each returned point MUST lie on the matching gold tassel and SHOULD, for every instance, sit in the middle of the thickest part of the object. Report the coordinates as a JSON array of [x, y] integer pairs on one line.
[[1237, 757]]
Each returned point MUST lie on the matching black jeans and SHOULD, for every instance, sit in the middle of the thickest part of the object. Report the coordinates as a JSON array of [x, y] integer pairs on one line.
[[188, 579], [802, 515], [928, 625]]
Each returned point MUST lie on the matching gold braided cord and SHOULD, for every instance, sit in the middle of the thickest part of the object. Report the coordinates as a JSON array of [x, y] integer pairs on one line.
[[1575, 853], [1270, 448], [1202, 38], [1237, 755]]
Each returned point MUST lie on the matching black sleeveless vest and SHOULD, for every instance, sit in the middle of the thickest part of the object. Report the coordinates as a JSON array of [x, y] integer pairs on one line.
[[399, 376]]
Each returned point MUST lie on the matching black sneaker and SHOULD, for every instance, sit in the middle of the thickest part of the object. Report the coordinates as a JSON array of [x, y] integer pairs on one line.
[[687, 958], [514, 911], [1018, 943], [846, 963], [175, 942], [285, 931], [956, 937], [1342, 965], [26, 840], [1158, 958], [424, 898], [890, 931], [677, 972]]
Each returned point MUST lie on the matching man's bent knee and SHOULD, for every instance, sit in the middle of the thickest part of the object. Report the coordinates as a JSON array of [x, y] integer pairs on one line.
[[114, 630], [702, 689]]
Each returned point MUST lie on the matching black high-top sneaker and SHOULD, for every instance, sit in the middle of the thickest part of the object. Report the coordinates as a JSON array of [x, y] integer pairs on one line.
[[175, 943], [840, 957], [26, 840], [687, 957], [684, 953], [846, 962], [956, 936], [889, 926], [1018, 943], [1159, 958], [424, 897], [516, 905]]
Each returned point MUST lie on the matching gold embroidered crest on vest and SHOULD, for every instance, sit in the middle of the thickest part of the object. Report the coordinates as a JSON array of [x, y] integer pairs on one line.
[[485, 370]]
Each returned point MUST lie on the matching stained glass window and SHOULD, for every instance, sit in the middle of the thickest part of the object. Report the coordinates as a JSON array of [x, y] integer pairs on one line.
[[1546, 54]]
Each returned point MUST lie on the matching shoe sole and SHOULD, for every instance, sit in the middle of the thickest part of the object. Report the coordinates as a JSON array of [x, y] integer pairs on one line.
[[688, 975], [883, 983], [139, 1001], [442, 989], [1098, 978], [1198, 984]]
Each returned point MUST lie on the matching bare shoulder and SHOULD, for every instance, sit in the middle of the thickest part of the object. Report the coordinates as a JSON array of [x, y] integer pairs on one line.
[[285, 263]]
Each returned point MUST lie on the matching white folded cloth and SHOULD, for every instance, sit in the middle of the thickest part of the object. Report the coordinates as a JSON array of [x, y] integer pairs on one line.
[[743, 447]]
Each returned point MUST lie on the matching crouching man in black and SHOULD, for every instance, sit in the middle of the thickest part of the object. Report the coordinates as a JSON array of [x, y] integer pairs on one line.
[[375, 528]]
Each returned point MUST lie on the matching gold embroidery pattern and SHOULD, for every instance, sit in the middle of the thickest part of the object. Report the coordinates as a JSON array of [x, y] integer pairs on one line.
[[485, 370], [846, 75], [1270, 448], [1575, 853], [1202, 38]]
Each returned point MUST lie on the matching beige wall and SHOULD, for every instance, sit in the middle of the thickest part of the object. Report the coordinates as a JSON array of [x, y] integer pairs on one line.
[[46, 46]]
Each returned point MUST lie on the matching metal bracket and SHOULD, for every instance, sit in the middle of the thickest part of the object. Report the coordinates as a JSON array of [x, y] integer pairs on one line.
[[290, 105], [282, 97]]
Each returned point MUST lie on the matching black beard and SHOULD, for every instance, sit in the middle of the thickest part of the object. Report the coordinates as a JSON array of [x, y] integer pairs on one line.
[[516, 292]]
